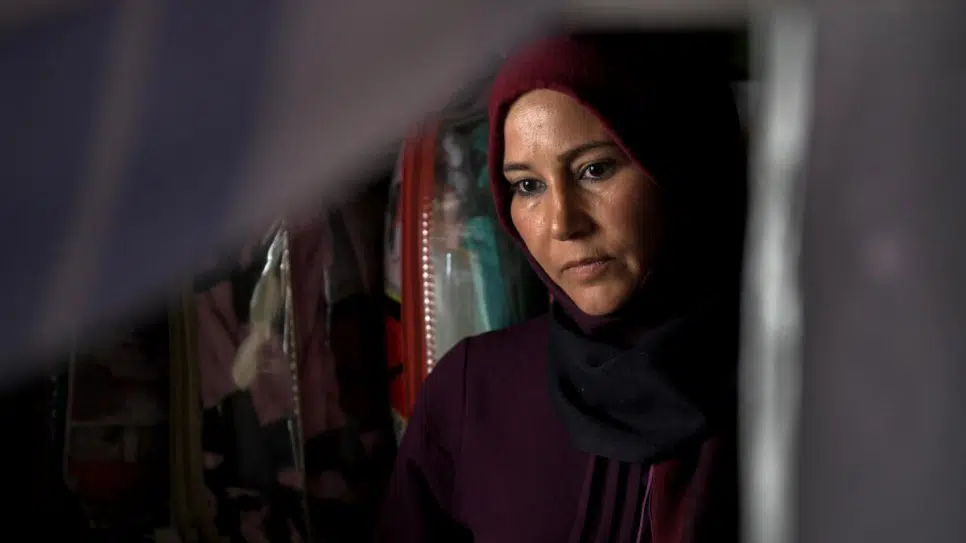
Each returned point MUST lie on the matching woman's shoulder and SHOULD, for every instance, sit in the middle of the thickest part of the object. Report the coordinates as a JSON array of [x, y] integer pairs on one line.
[[479, 365], [522, 343]]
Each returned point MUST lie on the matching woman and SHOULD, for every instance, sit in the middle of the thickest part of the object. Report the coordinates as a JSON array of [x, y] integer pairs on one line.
[[617, 162]]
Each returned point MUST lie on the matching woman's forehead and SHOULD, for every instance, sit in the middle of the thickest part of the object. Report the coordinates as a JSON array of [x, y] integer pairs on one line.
[[546, 121]]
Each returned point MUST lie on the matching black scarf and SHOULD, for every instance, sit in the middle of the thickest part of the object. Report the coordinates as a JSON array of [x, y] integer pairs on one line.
[[643, 403]]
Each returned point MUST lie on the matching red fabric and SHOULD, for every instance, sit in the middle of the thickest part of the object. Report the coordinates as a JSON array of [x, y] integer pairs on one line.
[[106, 480], [417, 190]]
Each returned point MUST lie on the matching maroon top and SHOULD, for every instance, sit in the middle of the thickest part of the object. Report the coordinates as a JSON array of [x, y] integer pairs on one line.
[[630, 444], [486, 458]]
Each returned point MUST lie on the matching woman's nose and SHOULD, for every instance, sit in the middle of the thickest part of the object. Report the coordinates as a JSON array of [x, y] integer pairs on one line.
[[569, 219]]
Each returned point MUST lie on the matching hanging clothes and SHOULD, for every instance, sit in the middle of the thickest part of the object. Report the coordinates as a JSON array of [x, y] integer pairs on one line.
[[347, 462], [248, 439], [306, 453]]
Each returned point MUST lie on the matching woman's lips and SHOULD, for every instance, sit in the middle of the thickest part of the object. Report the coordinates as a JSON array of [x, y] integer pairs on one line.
[[587, 269]]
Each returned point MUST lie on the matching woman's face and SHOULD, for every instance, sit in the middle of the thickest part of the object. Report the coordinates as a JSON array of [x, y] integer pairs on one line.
[[586, 212]]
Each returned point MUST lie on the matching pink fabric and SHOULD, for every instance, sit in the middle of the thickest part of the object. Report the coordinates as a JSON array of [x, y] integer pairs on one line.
[[310, 250], [272, 390], [220, 333]]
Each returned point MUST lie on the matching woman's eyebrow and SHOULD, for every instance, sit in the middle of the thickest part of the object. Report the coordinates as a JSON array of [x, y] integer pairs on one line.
[[515, 167], [569, 155], [565, 157]]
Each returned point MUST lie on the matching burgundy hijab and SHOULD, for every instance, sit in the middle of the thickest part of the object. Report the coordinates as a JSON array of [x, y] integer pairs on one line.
[[671, 109]]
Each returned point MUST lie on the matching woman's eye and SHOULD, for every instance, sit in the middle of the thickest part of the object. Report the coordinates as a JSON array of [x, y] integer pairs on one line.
[[598, 170], [527, 187]]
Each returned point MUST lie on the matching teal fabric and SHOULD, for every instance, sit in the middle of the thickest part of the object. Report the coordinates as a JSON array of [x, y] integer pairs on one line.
[[479, 237]]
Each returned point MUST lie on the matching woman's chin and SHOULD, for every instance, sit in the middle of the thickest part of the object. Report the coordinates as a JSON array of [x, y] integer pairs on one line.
[[599, 304]]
